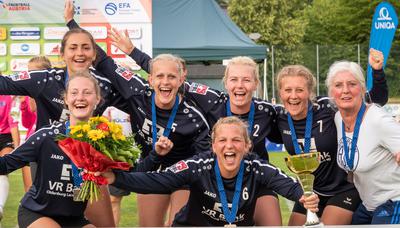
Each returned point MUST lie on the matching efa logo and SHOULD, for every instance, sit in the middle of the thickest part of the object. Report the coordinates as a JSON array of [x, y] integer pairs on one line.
[[112, 8]]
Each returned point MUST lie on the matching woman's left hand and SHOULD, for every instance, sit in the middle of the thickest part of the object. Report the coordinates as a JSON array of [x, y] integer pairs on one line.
[[310, 202]]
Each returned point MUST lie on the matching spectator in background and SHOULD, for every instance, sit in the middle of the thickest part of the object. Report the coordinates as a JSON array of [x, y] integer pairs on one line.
[[9, 139]]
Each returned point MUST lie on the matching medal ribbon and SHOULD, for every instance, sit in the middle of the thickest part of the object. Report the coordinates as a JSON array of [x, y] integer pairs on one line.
[[307, 133], [230, 215], [251, 114], [167, 131], [75, 171], [349, 157]]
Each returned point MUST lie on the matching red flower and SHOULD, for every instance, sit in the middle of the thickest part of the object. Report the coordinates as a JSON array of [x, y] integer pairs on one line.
[[103, 127]]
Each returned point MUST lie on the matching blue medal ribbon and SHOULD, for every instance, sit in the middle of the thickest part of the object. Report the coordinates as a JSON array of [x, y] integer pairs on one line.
[[167, 130], [230, 215], [251, 114], [349, 156], [75, 171], [307, 133]]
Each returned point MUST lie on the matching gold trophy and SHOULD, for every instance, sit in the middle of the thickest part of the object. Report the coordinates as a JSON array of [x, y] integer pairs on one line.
[[303, 165]]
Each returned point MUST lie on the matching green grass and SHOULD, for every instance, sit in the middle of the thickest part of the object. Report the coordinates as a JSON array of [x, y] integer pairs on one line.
[[129, 210]]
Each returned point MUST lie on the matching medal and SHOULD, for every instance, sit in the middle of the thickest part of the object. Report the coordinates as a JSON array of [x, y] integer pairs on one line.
[[230, 225], [307, 133], [75, 193], [350, 175]]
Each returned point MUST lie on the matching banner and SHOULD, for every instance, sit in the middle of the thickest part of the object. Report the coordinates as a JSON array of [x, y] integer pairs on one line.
[[29, 28], [384, 24]]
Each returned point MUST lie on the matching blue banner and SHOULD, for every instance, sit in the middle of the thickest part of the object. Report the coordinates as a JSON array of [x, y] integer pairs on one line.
[[384, 24]]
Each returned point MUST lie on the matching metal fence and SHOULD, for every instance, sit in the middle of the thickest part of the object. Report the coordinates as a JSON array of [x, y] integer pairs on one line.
[[318, 58]]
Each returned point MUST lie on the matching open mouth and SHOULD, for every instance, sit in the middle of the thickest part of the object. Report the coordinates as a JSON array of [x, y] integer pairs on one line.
[[229, 157], [80, 106], [165, 92], [240, 95]]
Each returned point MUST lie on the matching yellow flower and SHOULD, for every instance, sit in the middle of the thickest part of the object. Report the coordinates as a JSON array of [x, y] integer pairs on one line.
[[85, 127], [75, 129], [95, 135], [79, 135]]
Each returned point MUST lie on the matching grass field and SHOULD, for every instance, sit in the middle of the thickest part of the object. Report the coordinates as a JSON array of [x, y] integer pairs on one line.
[[129, 211]]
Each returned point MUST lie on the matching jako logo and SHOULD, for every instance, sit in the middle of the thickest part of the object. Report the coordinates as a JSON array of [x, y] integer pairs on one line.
[[110, 8], [24, 47]]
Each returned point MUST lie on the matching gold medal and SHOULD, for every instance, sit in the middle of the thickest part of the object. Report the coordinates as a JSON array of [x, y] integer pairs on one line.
[[230, 225], [76, 197], [350, 176]]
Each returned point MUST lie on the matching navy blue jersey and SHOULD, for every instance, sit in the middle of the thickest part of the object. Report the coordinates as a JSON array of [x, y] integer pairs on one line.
[[47, 86], [330, 179], [213, 104], [189, 131], [51, 190], [204, 206]]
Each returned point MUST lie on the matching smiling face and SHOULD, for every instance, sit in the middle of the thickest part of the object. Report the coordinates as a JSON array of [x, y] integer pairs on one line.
[[230, 146], [346, 91], [78, 52], [81, 97], [295, 96], [165, 78], [240, 83]]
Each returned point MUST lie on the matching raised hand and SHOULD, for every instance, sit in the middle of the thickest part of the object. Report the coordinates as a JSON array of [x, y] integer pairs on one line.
[[68, 11], [375, 59], [121, 40]]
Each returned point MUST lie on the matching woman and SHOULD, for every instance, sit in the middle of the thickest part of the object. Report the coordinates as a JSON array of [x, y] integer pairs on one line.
[[308, 125], [368, 146], [49, 202], [9, 139], [228, 174], [44, 86], [241, 80], [159, 113], [28, 116]]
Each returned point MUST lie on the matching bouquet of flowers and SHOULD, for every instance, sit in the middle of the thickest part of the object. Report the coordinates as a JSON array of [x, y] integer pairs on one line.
[[96, 146]]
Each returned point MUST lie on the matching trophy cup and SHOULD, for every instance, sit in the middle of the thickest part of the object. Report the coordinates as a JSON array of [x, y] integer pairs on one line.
[[303, 165]]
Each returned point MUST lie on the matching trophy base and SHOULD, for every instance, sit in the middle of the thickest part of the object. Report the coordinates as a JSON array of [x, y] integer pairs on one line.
[[319, 225]]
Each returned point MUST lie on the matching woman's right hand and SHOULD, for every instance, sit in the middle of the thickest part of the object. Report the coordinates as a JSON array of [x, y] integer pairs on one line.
[[163, 146], [68, 11], [109, 175]]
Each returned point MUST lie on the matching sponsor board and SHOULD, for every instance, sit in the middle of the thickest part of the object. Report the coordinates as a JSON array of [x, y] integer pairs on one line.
[[54, 33], [52, 48], [128, 63], [3, 49], [19, 64], [3, 33], [25, 49], [3, 64], [98, 32], [116, 51], [134, 31], [25, 33]]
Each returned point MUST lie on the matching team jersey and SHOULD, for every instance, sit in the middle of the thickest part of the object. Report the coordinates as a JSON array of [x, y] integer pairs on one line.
[[51, 191], [329, 178], [189, 131], [47, 86], [213, 104], [6, 120], [28, 117], [204, 206]]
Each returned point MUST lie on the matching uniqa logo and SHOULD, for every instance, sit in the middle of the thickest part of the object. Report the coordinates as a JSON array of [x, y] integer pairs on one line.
[[384, 20], [110, 8]]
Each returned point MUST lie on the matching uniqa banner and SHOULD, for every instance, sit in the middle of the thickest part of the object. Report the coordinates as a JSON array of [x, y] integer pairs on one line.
[[384, 24]]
